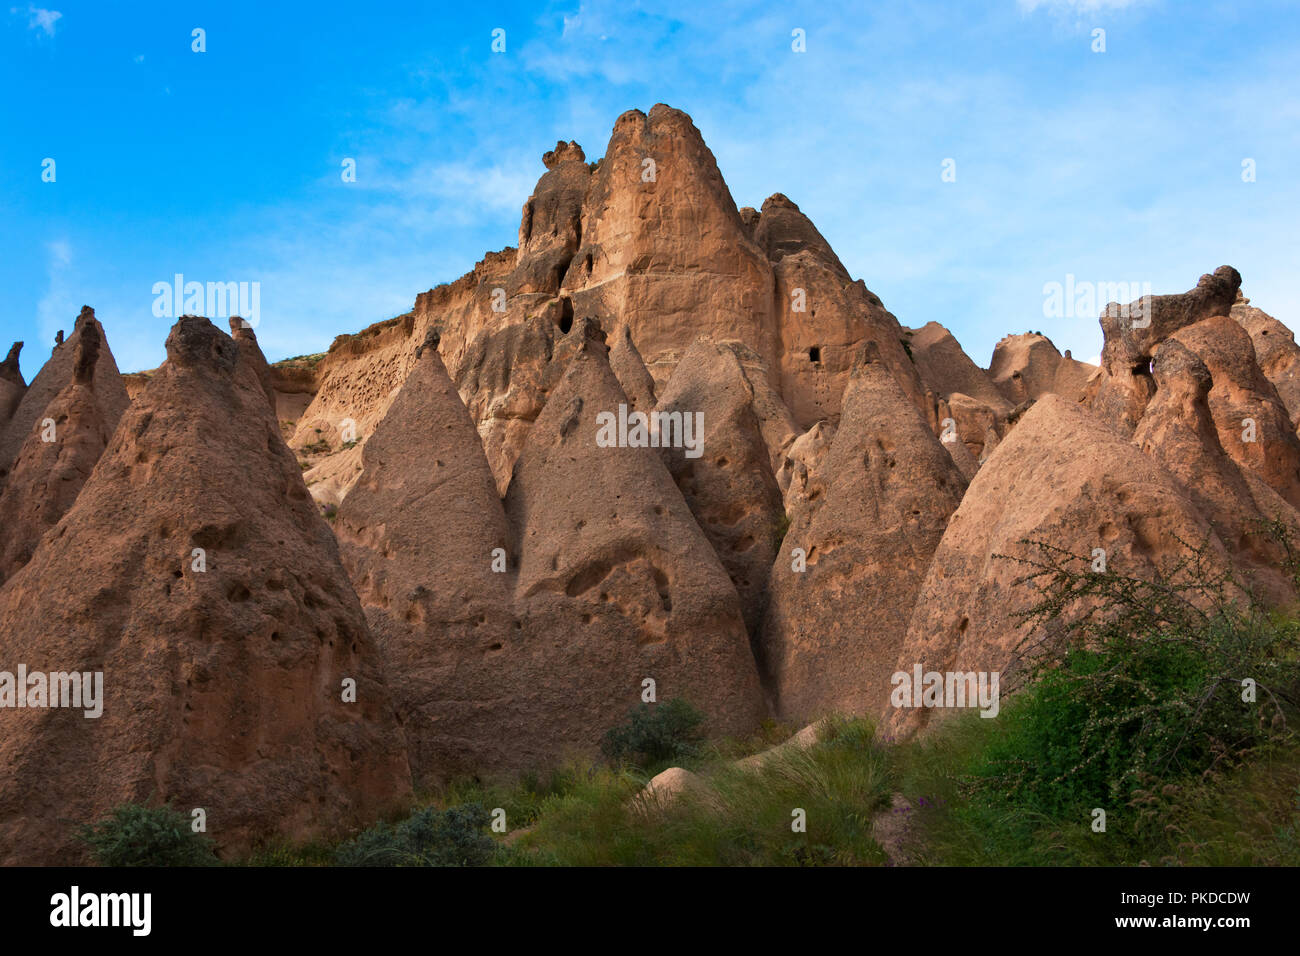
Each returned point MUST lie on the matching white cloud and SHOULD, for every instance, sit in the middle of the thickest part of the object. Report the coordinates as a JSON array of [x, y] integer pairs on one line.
[[40, 19]]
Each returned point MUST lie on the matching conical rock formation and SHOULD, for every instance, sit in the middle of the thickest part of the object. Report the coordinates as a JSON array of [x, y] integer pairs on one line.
[[839, 605], [424, 537], [617, 585], [195, 575]]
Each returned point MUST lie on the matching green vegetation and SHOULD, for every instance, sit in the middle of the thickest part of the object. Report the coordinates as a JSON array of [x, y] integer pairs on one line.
[[134, 835], [429, 837], [658, 735]]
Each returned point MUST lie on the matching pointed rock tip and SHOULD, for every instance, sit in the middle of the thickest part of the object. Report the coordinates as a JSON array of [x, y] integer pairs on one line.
[[11, 360], [431, 341], [194, 342], [237, 324], [87, 354]]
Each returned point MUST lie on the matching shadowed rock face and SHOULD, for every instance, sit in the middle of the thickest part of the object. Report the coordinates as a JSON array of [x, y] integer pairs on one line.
[[631, 372], [52, 379], [56, 460], [250, 353], [1275, 350], [418, 534], [834, 629], [12, 385], [1254, 426], [1062, 477], [729, 484], [1178, 431], [616, 582], [222, 688]]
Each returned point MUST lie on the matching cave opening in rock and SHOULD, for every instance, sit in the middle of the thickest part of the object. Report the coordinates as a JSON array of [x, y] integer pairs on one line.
[[566, 315], [815, 354]]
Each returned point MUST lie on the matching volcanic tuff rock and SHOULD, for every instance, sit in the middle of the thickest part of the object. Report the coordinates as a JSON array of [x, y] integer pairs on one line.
[[823, 317], [418, 534], [222, 688], [1254, 426], [1062, 477], [834, 630], [53, 377], [1275, 351], [631, 372], [1132, 333], [49, 474], [1029, 366], [616, 581], [729, 484], [646, 239], [1178, 431], [250, 354], [12, 385]]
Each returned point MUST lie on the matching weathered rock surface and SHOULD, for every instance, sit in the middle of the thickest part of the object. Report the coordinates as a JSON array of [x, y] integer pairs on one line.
[[56, 460], [727, 480], [1254, 426], [1061, 477], [1275, 351], [616, 581], [1178, 431], [631, 372], [250, 354], [833, 631], [222, 688], [53, 377], [12, 385], [418, 534], [1029, 366], [1132, 332]]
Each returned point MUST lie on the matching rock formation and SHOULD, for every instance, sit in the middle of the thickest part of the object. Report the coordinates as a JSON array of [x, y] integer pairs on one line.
[[59, 456], [12, 385], [1029, 366], [616, 582], [1061, 477], [839, 605], [194, 574], [1132, 332], [727, 481], [1275, 351], [424, 537], [53, 377], [250, 354]]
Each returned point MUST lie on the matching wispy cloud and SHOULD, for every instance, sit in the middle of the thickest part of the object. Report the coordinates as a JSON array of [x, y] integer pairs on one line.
[[39, 18]]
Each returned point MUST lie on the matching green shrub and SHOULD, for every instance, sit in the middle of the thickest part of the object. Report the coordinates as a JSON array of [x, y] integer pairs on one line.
[[666, 732], [134, 835], [429, 837], [1146, 683]]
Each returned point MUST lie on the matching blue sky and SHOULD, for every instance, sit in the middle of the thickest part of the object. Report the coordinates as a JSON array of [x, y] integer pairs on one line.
[[1122, 166]]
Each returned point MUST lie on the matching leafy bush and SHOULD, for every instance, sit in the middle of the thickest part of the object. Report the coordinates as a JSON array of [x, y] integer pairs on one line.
[[429, 837], [653, 735], [1146, 686], [134, 835]]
